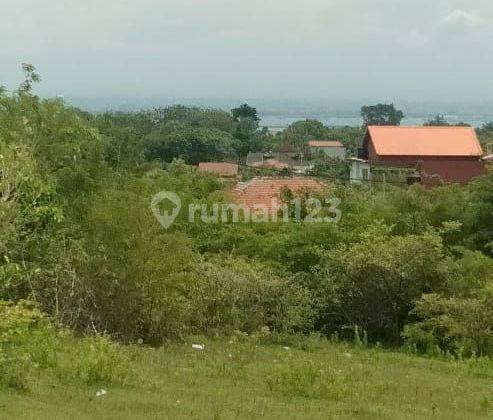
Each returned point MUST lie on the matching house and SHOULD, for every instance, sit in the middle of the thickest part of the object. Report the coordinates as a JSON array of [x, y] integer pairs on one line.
[[266, 192], [221, 169], [432, 155], [333, 149]]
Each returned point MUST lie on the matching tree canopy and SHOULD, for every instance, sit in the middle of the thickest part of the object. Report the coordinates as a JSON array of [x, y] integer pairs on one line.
[[381, 114]]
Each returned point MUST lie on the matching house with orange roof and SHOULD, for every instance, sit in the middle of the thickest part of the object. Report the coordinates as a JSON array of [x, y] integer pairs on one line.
[[433, 155], [331, 148], [265, 193]]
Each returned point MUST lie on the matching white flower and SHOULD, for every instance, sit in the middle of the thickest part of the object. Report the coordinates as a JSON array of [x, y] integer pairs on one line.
[[348, 355], [285, 347], [198, 346]]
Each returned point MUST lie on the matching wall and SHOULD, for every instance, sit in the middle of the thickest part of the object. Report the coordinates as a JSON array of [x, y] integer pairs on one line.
[[356, 175], [434, 169], [333, 152]]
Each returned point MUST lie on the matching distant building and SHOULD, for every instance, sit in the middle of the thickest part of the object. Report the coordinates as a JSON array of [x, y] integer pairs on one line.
[[265, 193], [432, 155], [333, 149], [222, 169]]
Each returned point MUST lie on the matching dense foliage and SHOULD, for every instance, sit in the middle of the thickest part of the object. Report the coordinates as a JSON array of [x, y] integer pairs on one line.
[[77, 237]]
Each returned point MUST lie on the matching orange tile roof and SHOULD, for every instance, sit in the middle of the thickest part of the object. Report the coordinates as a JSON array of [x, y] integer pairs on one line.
[[325, 143], [266, 192], [425, 141], [219, 168]]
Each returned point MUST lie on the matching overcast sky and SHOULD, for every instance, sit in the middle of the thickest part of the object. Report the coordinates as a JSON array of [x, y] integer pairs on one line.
[[429, 50]]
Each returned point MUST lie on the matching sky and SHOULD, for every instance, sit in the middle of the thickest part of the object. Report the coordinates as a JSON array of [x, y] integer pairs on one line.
[[434, 50]]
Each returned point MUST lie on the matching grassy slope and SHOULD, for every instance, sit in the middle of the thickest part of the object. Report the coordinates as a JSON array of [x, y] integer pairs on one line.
[[241, 380]]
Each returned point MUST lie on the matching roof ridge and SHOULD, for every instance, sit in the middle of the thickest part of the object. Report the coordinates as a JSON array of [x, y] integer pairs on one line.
[[431, 127]]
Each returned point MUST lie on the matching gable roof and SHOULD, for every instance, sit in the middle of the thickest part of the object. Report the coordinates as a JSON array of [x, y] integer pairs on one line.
[[325, 143], [424, 141], [266, 192], [219, 168]]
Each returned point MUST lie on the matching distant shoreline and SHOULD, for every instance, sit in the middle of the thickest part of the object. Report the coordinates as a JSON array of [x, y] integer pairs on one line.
[[277, 123]]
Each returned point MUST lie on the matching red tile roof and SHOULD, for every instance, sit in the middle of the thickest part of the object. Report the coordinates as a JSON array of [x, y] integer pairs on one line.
[[265, 192], [325, 143], [425, 141], [219, 168]]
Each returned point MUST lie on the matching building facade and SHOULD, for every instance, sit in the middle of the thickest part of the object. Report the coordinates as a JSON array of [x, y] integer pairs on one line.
[[333, 149], [438, 154]]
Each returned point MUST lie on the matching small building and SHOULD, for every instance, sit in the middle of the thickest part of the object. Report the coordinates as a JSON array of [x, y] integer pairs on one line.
[[221, 169], [333, 149], [360, 171], [436, 154]]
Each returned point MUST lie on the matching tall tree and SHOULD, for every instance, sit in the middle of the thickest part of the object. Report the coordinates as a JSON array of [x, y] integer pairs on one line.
[[245, 111], [381, 114]]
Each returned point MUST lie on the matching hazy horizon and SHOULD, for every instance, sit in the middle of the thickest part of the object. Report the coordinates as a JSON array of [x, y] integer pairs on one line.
[[354, 50]]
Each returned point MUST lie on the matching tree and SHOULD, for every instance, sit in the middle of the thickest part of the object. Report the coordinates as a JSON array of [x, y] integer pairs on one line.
[[381, 114], [487, 126], [245, 111], [192, 144], [30, 77], [296, 136], [438, 121], [248, 138]]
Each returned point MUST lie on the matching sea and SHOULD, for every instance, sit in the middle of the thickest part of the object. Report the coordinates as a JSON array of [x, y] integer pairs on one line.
[[277, 114]]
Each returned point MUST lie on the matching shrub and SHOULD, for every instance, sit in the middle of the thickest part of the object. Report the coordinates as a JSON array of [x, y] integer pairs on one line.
[[25, 338], [28, 342], [230, 294], [461, 326], [308, 380], [94, 359], [374, 283]]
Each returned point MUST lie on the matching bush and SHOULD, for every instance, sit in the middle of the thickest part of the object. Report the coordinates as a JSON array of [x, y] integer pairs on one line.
[[25, 342], [307, 380], [28, 343], [460, 326], [375, 282], [94, 359], [230, 294]]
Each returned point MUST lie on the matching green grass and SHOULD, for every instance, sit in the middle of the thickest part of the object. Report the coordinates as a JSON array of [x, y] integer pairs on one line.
[[247, 380]]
